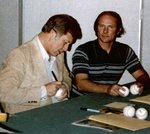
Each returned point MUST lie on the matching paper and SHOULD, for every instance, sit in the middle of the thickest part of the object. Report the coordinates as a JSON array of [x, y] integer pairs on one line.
[[121, 121], [94, 124], [6, 129], [118, 105], [143, 99]]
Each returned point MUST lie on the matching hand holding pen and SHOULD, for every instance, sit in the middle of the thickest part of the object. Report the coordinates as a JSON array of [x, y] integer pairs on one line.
[[56, 88], [52, 87]]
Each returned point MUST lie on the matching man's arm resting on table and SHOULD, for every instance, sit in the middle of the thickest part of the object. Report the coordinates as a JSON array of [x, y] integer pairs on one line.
[[142, 77]]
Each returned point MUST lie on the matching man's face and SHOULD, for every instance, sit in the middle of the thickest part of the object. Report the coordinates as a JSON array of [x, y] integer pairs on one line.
[[60, 44], [107, 29]]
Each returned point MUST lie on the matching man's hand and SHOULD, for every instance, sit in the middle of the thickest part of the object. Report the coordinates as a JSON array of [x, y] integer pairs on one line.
[[53, 87], [114, 90]]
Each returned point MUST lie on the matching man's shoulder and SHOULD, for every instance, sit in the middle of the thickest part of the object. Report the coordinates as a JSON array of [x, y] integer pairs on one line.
[[28, 46], [25, 50], [87, 45], [122, 46]]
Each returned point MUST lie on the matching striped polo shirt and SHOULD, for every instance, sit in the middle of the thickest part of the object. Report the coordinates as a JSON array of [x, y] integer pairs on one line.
[[103, 67]]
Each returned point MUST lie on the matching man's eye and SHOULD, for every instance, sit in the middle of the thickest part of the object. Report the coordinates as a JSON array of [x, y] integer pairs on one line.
[[111, 27], [66, 43], [101, 26]]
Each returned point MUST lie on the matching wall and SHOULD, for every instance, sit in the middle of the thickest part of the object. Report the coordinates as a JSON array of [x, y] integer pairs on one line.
[[9, 26], [10, 21], [146, 36], [85, 11]]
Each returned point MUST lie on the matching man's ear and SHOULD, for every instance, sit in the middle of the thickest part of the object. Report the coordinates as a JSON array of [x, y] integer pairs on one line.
[[53, 34], [119, 30]]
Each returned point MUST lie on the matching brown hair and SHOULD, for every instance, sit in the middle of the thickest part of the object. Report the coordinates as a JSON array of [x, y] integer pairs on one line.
[[116, 16], [63, 23]]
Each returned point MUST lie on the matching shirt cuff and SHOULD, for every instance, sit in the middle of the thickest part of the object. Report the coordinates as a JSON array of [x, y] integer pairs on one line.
[[43, 93]]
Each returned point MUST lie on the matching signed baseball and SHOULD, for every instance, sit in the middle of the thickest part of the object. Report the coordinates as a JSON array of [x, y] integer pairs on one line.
[[59, 93], [125, 91], [134, 89], [129, 111], [141, 113]]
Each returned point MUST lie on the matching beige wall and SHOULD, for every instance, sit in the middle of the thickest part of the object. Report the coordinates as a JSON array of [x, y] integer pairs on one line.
[[11, 35], [85, 12], [9, 26], [146, 36]]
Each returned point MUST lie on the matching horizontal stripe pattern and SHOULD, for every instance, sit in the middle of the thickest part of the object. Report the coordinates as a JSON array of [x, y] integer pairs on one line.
[[101, 67]]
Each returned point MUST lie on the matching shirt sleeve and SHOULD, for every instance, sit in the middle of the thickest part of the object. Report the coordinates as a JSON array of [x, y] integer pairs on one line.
[[132, 61], [43, 93], [80, 62]]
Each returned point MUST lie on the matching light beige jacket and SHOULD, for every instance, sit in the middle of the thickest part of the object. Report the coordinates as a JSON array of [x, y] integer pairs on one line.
[[22, 75]]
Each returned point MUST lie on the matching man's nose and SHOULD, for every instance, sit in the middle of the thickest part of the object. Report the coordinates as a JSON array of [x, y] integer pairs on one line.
[[105, 30], [65, 48]]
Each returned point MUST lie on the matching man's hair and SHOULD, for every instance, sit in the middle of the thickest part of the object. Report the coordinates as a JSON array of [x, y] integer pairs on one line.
[[63, 23], [116, 16]]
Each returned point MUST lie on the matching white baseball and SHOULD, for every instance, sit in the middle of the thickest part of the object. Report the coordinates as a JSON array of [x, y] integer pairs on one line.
[[141, 113], [59, 93], [125, 91], [134, 89], [129, 111]]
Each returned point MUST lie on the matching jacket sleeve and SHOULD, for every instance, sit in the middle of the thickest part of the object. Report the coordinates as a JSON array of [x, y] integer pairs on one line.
[[67, 80], [65, 72], [11, 77]]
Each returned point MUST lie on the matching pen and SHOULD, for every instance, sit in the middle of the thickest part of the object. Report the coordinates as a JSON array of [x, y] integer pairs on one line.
[[54, 76], [90, 110]]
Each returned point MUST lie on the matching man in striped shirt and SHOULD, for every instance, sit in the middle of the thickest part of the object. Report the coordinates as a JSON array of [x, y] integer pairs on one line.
[[98, 65]]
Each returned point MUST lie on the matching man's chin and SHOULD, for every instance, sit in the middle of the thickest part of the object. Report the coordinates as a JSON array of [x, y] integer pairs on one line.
[[58, 53]]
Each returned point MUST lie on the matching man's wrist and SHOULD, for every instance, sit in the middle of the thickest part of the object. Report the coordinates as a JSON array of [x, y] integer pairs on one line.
[[108, 90]]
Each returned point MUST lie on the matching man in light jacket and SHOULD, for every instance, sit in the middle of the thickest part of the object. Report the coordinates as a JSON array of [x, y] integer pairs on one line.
[[26, 79]]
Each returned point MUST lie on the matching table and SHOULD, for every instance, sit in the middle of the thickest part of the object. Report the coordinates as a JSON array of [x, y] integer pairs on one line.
[[57, 118]]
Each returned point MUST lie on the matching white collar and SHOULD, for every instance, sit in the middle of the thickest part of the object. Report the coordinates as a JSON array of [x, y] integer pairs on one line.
[[43, 51]]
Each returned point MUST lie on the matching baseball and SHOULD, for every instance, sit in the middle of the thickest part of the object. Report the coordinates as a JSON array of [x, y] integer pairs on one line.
[[141, 113], [59, 93], [134, 89], [125, 91], [129, 111]]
